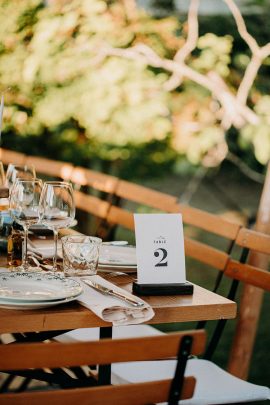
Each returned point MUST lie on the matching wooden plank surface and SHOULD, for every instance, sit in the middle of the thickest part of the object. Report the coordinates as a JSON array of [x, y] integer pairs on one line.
[[203, 304]]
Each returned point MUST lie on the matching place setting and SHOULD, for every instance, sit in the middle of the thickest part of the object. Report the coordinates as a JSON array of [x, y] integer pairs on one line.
[[84, 259]]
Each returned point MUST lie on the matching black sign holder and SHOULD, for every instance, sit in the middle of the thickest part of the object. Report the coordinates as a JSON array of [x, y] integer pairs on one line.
[[163, 289]]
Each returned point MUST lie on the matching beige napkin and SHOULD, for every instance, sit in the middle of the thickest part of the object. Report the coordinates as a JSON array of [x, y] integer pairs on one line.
[[111, 309]]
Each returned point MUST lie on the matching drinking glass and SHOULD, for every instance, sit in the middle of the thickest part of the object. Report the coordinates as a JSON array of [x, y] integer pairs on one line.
[[19, 172], [57, 209], [80, 255], [24, 209]]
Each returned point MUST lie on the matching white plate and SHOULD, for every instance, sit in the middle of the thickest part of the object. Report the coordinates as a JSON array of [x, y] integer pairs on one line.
[[34, 305], [117, 256], [19, 287]]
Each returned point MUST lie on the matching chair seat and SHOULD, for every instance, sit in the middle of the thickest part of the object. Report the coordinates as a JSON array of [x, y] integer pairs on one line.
[[87, 334], [213, 385]]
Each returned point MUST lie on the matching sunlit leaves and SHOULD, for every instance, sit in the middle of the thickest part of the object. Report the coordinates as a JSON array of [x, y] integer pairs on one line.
[[64, 88], [259, 135], [215, 53]]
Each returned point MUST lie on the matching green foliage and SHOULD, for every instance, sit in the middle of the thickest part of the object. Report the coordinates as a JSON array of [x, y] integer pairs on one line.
[[69, 101], [112, 105], [259, 135]]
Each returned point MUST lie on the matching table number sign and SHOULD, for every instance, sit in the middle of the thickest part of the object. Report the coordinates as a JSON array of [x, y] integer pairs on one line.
[[160, 255]]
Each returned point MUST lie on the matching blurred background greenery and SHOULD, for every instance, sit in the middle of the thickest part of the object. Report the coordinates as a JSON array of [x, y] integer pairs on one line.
[[112, 113], [69, 101]]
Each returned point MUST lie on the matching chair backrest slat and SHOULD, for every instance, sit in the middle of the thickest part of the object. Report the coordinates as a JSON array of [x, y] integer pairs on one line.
[[99, 181], [38, 355], [254, 240], [131, 394], [91, 204], [248, 274], [144, 195], [49, 167], [208, 222], [206, 254], [10, 156]]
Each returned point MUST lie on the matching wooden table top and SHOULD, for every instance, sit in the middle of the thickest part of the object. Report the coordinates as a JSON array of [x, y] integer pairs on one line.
[[202, 305]]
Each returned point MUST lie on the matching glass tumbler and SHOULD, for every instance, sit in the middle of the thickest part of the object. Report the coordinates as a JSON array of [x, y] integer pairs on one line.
[[80, 254]]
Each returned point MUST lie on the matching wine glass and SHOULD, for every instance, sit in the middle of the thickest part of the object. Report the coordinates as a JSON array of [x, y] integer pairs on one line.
[[24, 209], [57, 209], [19, 171]]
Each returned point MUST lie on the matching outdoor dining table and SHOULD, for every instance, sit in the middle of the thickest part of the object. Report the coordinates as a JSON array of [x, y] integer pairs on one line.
[[202, 305]]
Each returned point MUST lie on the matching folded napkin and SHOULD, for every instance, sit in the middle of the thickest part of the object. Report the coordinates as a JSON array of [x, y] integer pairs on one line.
[[111, 309]]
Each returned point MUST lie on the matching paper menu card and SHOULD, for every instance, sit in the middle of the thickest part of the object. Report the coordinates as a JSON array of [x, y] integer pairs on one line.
[[160, 248]]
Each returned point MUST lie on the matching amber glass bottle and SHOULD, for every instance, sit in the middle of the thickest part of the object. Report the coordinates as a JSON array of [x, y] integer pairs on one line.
[[15, 246]]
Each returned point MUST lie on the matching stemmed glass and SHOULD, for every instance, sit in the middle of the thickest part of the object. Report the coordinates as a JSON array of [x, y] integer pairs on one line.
[[24, 209], [57, 209], [19, 172]]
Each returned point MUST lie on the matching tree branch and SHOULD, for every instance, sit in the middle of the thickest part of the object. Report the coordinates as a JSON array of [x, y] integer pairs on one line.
[[258, 53], [193, 33], [241, 26], [238, 114], [192, 37]]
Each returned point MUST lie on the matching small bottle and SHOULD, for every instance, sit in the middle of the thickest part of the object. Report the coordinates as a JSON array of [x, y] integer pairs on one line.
[[15, 245], [4, 199], [5, 219]]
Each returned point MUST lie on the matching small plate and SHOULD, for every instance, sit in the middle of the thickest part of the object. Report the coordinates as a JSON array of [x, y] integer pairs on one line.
[[30, 287], [34, 305]]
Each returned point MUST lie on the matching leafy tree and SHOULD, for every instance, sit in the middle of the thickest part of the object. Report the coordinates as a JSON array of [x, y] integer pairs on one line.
[[75, 97]]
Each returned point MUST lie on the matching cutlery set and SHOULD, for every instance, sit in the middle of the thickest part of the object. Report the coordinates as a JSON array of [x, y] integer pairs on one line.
[[109, 291]]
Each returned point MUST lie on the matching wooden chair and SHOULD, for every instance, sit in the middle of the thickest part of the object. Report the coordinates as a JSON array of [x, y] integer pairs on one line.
[[214, 385], [31, 356]]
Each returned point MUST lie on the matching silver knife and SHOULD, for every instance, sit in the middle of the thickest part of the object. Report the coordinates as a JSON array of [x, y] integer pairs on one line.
[[110, 291]]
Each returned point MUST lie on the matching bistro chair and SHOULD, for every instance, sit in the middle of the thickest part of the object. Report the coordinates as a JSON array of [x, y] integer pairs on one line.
[[214, 385], [30, 356]]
